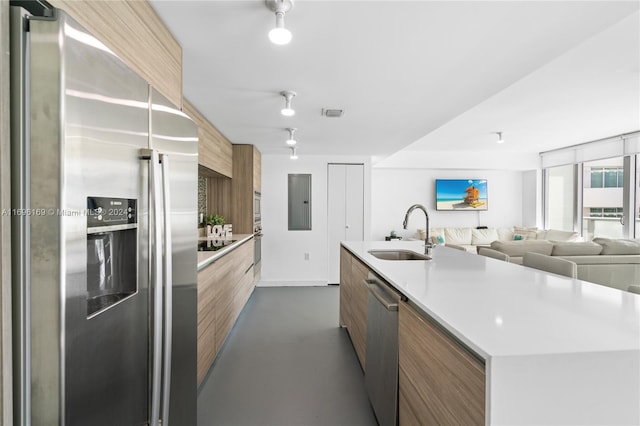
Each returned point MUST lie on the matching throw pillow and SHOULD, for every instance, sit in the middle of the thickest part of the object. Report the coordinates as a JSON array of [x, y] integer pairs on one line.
[[483, 236], [440, 239], [518, 237], [527, 233]]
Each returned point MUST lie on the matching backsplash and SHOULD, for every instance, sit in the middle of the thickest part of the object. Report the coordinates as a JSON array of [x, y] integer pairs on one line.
[[202, 197]]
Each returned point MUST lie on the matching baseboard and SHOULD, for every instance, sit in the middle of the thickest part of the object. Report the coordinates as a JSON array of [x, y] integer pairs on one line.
[[297, 283]]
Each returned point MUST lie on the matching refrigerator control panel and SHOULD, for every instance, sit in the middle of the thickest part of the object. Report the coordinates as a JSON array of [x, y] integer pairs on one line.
[[103, 211]]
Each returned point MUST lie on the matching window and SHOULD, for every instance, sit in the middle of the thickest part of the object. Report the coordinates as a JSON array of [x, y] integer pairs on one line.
[[606, 197], [607, 177], [602, 208], [605, 212]]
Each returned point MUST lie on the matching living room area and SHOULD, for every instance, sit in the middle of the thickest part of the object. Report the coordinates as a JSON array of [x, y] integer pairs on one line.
[[585, 212]]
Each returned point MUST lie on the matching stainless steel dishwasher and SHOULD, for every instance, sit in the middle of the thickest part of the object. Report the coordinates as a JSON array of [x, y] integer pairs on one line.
[[381, 365]]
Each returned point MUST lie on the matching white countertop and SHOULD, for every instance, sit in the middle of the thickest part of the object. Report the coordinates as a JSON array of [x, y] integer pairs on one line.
[[500, 308], [205, 258], [557, 350]]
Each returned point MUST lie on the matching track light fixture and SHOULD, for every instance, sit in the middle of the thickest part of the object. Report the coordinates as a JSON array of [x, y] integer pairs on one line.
[[287, 110], [280, 35], [294, 156], [500, 140], [291, 141]]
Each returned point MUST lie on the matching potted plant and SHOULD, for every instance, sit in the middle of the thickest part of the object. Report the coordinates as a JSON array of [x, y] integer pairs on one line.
[[214, 224]]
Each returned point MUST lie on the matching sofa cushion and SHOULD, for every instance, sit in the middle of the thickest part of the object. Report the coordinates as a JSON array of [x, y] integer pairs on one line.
[[483, 236], [521, 233], [519, 248], [505, 234], [555, 235], [460, 236], [566, 248], [610, 246]]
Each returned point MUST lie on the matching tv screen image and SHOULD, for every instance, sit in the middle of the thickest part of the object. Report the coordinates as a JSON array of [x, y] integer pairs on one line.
[[461, 194]]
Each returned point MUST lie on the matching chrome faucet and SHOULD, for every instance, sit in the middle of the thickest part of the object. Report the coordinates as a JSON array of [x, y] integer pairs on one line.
[[428, 245]]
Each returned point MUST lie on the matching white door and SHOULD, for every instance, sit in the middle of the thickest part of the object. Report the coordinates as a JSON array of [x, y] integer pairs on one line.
[[345, 211]]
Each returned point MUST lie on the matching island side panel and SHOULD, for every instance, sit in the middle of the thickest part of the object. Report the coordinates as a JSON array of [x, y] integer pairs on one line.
[[439, 381]]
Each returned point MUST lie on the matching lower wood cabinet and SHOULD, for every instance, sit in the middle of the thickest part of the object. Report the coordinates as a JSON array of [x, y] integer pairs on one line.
[[440, 381], [223, 289], [353, 301]]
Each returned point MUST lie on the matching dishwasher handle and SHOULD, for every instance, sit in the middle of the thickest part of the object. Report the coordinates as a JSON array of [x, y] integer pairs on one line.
[[390, 303]]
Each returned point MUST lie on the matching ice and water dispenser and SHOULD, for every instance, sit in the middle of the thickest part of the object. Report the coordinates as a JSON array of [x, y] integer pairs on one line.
[[112, 258]]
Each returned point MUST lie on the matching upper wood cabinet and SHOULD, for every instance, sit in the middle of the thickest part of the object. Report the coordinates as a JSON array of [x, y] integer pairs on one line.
[[137, 36], [257, 170], [247, 166], [215, 152]]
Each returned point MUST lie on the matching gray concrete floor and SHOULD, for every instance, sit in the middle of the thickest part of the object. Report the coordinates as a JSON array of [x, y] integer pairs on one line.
[[286, 362]]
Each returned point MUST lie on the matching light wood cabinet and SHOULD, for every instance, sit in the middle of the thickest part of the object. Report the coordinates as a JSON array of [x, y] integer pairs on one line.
[[353, 301], [215, 152], [345, 288], [440, 381], [246, 179], [223, 289], [134, 32]]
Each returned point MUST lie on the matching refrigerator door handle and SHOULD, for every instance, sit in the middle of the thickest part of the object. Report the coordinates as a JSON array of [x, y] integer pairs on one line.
[[168, 290], [157, 270]]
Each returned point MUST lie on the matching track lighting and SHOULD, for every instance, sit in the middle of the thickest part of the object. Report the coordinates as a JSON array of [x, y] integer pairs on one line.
[[291, 141], [280, 35], [294, 156], [500, 140], [287, 110]]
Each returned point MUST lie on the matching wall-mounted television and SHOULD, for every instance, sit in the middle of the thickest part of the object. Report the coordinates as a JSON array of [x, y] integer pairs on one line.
[[461, 194]]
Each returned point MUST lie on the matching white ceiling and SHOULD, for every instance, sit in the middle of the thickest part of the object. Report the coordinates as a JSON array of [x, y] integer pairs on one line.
[[420, 75]]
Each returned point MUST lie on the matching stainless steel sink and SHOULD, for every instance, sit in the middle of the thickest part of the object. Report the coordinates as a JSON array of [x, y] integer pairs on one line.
[[398, 255]]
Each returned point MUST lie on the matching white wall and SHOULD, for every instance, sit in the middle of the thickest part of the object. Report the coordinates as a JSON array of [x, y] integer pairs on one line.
[[388, 194], [394, 190], [283, 251]]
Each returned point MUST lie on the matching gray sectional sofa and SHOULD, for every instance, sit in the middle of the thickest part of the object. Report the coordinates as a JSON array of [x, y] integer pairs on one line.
[[614, 263], [470, 239]]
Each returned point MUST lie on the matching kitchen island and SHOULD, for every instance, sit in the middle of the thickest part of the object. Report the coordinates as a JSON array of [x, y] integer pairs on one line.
[[554, 350]]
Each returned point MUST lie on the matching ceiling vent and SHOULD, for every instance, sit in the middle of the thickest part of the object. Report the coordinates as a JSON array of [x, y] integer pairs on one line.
[[332, 113]]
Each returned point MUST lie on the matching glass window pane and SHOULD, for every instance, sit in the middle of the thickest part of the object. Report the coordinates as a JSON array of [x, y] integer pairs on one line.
[[596, 178], [620, 178], [606, 198], [611, 178]]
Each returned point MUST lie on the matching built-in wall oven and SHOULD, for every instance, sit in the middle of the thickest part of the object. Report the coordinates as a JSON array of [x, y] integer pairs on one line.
[[257, 228], [256, 207]]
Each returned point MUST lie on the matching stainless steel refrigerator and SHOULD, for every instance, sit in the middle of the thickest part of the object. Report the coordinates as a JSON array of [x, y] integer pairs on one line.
[[104, 200]]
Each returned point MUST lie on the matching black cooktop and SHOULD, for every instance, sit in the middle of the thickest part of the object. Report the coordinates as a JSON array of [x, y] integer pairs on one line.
[[213, 245]]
